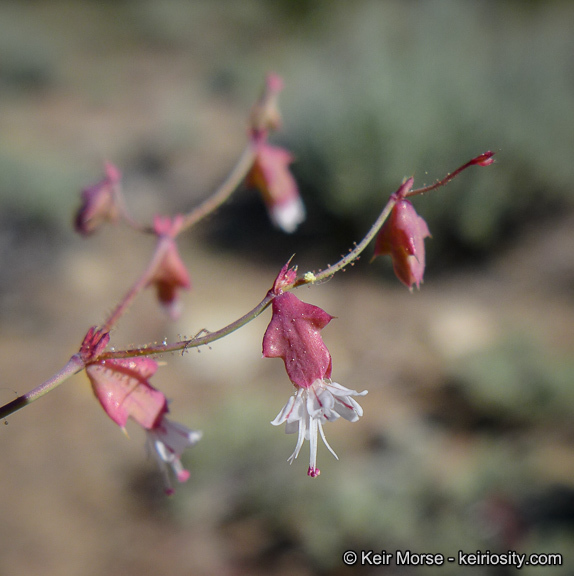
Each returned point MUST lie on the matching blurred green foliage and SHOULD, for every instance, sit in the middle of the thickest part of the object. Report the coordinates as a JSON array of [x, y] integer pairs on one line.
[[375, 91], [399, 88], [518, 379]]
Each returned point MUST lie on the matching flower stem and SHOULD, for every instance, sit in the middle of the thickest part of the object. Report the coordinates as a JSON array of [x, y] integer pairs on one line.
[[74, 365], [353, 254], [235, 177], [124, 212], [138, 286], [485, 159], [227, 188], [195, 342]]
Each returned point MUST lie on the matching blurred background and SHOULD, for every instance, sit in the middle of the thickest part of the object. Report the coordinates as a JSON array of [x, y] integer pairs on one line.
[[467, 441]]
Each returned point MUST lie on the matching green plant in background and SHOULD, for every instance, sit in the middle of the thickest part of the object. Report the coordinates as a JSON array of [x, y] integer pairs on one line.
[[411, 80]]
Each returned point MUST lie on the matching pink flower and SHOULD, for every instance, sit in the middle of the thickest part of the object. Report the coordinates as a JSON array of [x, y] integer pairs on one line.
[[122, 388], [294, 334], [171, 273], [271, 176], [402, 237], [99, 202]]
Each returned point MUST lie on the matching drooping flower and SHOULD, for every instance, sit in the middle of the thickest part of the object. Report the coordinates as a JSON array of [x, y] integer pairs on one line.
[[271, 176], [402, 237], [166, 442], [123, 390], [99, 202], [294, 334], [171, 273]]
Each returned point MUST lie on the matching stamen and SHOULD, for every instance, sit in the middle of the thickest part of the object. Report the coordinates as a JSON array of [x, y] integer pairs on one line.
[[325, 441]]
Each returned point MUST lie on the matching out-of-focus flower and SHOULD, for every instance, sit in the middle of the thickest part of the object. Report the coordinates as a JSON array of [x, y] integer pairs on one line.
[[271, 176], [171, 273], [309, 408], [123, 390], [99, 202], [265, 113], [294, 334], [166, 442], [402, 237]]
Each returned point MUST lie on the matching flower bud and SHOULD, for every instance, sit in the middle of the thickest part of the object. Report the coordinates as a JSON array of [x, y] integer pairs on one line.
[[99, 203], [485, 159], [171, 273], [402, 237]]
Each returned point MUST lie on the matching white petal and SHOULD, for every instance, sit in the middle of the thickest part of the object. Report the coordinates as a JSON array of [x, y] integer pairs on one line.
[[298, 410], [339, 390], [166, 442], [347, 412], [313, 405], [300, 440], [327, 400], [332, 415], [356, 406], [284, 413]]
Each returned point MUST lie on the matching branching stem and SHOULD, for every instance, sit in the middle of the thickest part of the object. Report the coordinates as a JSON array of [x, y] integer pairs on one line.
[[76, 364]]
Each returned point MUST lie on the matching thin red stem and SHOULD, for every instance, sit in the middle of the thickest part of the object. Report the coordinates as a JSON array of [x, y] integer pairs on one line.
[[235, 177], [484, 159], [139, 285]]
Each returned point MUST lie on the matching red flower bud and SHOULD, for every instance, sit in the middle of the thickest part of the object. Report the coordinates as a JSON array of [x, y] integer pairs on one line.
[[485, 159], [171, 274], [402, 237], [99, 203], [286, 277]]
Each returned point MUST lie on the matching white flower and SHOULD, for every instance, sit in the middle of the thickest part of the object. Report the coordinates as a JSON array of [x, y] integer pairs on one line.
[[308, 408], [167, 442]]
